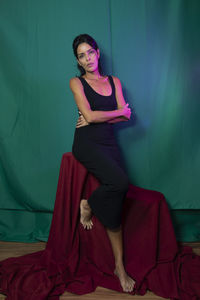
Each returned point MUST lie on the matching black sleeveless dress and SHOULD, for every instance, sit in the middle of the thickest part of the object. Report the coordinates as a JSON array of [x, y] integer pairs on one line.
[[96, 148]]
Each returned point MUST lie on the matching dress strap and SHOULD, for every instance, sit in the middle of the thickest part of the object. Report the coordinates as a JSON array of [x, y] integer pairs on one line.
[[111, 82], [83, 81]]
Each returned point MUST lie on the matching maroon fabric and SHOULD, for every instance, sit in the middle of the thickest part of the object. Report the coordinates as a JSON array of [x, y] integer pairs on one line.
[[77, 260]]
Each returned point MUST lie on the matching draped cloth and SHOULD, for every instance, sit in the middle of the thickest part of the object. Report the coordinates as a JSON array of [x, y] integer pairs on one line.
[[78, 260]]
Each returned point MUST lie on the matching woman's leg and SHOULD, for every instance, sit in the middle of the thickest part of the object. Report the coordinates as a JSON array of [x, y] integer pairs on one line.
[[115, 237], [106, 204]]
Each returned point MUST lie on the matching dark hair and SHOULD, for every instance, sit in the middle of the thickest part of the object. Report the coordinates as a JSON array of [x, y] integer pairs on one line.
[[85, 38]]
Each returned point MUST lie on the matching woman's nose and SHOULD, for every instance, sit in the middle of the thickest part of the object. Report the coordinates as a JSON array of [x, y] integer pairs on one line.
[[87, 57]]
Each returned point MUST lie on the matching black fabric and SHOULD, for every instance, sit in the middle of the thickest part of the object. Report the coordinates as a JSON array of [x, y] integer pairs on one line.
[[96, 148]]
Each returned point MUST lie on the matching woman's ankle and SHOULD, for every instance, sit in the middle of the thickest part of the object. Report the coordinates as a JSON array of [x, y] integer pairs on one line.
[[119, 263], [85, 204]]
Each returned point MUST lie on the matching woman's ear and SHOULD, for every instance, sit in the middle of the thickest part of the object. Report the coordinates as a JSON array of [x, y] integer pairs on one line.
[[98, 53]]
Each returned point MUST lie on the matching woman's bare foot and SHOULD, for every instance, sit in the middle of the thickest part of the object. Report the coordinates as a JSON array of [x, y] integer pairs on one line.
[[85, 214], [126, 281]]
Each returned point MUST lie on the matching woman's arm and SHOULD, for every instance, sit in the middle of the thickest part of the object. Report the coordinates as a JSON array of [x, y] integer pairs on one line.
[[94, 116], [120, 100], [117, 120]]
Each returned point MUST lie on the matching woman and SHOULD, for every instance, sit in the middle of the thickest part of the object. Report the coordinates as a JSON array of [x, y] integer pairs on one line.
[[100, 103]]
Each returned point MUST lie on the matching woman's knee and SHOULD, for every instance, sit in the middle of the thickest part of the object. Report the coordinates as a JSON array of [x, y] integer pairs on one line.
[[121, 184]]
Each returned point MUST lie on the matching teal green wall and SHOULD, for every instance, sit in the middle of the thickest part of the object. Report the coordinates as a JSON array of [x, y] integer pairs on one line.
[[153, 46], [156, 49]]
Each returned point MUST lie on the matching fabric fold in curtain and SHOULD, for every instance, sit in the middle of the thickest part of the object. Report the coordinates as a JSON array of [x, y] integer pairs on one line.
[[77, 260]]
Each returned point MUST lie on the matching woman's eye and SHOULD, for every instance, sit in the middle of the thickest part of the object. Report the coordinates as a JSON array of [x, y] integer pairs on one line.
[[91, 52], [80, 56]]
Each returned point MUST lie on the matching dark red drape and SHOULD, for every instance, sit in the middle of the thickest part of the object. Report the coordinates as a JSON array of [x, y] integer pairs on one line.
[[77, 260]]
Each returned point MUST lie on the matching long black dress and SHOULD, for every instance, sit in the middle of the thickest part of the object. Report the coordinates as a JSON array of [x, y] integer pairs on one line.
[[96, 148]]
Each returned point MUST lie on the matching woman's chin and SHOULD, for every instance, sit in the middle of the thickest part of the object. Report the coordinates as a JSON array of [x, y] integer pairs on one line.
[[92, 69]]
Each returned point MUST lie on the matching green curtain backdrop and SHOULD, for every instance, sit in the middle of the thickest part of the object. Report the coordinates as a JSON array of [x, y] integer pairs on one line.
[[153, 46]]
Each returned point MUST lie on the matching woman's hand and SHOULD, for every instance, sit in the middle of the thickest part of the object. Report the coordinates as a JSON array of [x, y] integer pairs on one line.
[[81, 121], [126, 114], [126, 111]]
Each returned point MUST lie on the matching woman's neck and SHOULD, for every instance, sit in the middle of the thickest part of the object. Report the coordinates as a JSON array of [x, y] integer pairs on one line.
[[93, 75]]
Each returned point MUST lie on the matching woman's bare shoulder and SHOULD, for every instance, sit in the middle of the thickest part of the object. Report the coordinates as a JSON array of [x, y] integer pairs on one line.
[[116, 81], [75, 84]]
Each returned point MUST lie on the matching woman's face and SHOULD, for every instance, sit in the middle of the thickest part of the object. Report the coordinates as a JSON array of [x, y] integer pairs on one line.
[[88, 57]]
